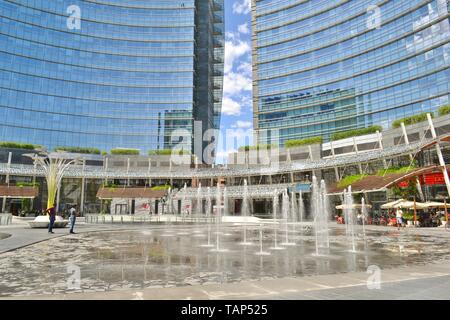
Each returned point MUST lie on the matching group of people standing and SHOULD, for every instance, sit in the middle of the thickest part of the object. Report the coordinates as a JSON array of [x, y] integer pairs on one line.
[[52, 215]]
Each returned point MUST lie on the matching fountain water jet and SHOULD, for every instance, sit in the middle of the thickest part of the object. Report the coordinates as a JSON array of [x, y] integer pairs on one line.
[[349, 218], [364, 215], [275, 223], [245, 214], [286, 211], [320, 210], [208, 217], [261, 252], [198, 210], [301, 211], [183, 209], [219, 207], [294, 212]]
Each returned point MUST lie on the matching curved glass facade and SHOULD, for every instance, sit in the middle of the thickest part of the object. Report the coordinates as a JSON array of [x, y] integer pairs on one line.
[[328, 66], [107, 73]]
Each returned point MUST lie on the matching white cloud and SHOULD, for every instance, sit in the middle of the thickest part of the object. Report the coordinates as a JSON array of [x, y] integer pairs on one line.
[[243, 28], [234, 49], [242, 124], [238, 73], [230, 107], [245, 68], [235, 83], [242, 7]]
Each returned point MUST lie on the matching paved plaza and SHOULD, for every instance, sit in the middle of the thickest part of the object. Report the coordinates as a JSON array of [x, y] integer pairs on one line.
[[416, 265]]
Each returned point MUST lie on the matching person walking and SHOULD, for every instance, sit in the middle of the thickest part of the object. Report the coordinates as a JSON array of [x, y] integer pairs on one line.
[[72, 217], [52, 216], [399, 216]]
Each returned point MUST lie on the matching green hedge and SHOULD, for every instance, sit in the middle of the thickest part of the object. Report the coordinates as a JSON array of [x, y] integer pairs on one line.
[[392, 170], [355, 133], [125, 151], [79, 150], [411, 120], [167, 152], [303, 142], [16, 145], [349, 180], [409, 216], [257, 147], [27, 184], [444, 110], [162, 187], [104, 153]]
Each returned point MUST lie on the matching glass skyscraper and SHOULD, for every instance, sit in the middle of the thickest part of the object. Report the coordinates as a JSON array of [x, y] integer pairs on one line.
[[324, 66], [109, 73]]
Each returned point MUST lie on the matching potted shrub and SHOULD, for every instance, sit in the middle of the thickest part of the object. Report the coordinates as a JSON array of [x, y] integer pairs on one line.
[[409, 217]]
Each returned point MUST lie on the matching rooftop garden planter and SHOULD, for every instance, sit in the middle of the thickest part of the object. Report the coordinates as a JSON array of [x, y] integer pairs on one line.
[[410, 120], [16, 145], [442, 111], [349, 180], [167, 152], [258, 147], [303, 142], [355, 133], [125, 152], [78, 150]]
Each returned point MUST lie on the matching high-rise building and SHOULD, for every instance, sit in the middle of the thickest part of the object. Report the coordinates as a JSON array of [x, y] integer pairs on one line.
[[324, 66], [109, 73]]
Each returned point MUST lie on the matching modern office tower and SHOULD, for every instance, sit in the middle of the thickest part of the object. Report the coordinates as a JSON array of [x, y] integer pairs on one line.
[[327, 66], [109, 73]]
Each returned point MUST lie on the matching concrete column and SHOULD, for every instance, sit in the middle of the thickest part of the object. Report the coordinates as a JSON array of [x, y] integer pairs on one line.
[[439, 154], [7, 180], [34, 171], [355, 147], [405, 135], [311, 157], [149, 171], [82, 188], [128, 170], [336, 170], [106, 169], [380, 143]]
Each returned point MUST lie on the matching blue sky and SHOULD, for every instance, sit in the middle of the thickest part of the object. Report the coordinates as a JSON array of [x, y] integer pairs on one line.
[[237, 100]]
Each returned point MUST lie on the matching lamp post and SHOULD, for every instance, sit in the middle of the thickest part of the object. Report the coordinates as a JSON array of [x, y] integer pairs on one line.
[[445, 212], [415, 212]]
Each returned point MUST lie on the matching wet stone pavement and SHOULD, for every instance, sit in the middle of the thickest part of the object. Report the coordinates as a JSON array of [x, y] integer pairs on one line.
[[154, 258]]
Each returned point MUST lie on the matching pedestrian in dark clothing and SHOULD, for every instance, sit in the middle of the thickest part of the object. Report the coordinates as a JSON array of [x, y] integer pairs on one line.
[[52, 215], [72, 217]]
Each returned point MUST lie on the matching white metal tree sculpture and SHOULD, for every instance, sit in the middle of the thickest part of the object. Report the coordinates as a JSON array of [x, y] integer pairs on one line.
[[54, 169]]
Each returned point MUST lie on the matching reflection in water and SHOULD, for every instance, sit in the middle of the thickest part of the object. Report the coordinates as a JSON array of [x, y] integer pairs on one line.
[[142, 259]]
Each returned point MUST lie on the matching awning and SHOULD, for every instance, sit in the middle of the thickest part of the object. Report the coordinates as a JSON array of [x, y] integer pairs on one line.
[[354, 206], [372, 183], [130, 193], [18, 192]]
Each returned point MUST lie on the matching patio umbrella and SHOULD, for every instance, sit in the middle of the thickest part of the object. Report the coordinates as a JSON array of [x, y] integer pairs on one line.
[[390, 205], [433, 204], [409, 205]]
